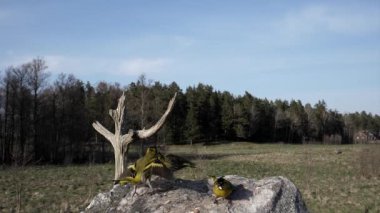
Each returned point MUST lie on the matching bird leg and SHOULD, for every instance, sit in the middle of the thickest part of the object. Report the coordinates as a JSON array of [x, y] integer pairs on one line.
[[149, 184], [216, 199], [147, 178], [134, 190], [229, 204]]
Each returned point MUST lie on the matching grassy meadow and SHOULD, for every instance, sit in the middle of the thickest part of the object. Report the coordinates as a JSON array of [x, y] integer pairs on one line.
[[331, 178]]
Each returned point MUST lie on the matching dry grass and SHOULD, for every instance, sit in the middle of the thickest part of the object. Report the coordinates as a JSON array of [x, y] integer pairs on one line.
[[329, 182], [369, 159], [52, 188]]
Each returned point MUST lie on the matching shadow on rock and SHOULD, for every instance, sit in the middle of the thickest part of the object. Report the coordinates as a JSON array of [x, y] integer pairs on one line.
[[196, 185], [241, 193], [162, 185]]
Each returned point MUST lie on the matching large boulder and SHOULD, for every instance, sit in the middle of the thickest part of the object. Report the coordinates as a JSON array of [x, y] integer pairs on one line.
[[272, 194]]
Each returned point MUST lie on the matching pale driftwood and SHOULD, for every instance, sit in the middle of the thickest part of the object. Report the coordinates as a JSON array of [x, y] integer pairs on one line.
[[120, 142]]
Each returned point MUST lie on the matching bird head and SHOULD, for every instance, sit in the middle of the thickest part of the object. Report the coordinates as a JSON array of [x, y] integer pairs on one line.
[[151, 151], [220, 180], [217, 180]]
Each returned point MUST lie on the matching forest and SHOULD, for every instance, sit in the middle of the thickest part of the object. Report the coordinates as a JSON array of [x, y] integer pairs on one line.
[[49, 121]]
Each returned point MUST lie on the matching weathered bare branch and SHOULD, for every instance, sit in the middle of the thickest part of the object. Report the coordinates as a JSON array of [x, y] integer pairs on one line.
[[127, 138], [103, 131], [149, 132], [118, 113]]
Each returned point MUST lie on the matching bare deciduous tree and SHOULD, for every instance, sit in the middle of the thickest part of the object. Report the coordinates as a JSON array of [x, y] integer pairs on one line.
[[36, 80]]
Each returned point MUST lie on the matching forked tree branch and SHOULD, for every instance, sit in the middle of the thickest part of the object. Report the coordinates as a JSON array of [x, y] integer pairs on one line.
[[127, 138], [103, 131], [118, 113], [145, 133]]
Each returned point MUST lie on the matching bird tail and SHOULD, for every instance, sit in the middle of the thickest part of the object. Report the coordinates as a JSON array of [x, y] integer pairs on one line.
[[124, 181]]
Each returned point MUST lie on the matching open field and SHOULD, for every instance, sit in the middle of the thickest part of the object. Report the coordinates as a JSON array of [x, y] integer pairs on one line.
[[329, 182]]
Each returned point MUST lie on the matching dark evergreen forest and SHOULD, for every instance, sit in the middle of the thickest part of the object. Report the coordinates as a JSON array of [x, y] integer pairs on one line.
[[49, 121]]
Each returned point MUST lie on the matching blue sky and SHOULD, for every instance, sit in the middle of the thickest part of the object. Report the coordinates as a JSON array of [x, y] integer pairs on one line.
[[307, 50]]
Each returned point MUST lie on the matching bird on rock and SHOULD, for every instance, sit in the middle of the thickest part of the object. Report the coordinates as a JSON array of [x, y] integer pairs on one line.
[[222, 188], [152, 163]]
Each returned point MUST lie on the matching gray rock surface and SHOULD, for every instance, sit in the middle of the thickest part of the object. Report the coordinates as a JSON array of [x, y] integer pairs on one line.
[[272, 194]]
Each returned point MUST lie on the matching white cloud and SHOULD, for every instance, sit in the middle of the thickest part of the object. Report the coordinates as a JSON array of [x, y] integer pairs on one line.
[[55, 62], [75, 65], [11, 60], [321, 19], [143, 65], [87, 65]]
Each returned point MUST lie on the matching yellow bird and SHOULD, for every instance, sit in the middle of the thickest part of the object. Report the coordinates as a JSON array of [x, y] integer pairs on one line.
[[222, 188], [138, 172], [152, 163]]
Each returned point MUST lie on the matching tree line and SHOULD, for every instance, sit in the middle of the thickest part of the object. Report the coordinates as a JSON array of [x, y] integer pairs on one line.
[[45, 121]]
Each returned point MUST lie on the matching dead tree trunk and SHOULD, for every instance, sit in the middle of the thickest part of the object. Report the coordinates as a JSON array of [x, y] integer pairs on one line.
[[121, 142]]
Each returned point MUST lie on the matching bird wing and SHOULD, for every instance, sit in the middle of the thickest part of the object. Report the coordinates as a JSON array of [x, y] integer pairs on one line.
[[175, 162], [162, 172], [131, 167], [158, 168], [129, 172], [153, 165]]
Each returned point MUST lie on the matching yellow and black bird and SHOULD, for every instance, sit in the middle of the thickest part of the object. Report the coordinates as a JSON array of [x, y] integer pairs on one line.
[[222, 188], [152, 163], [140, 171]]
